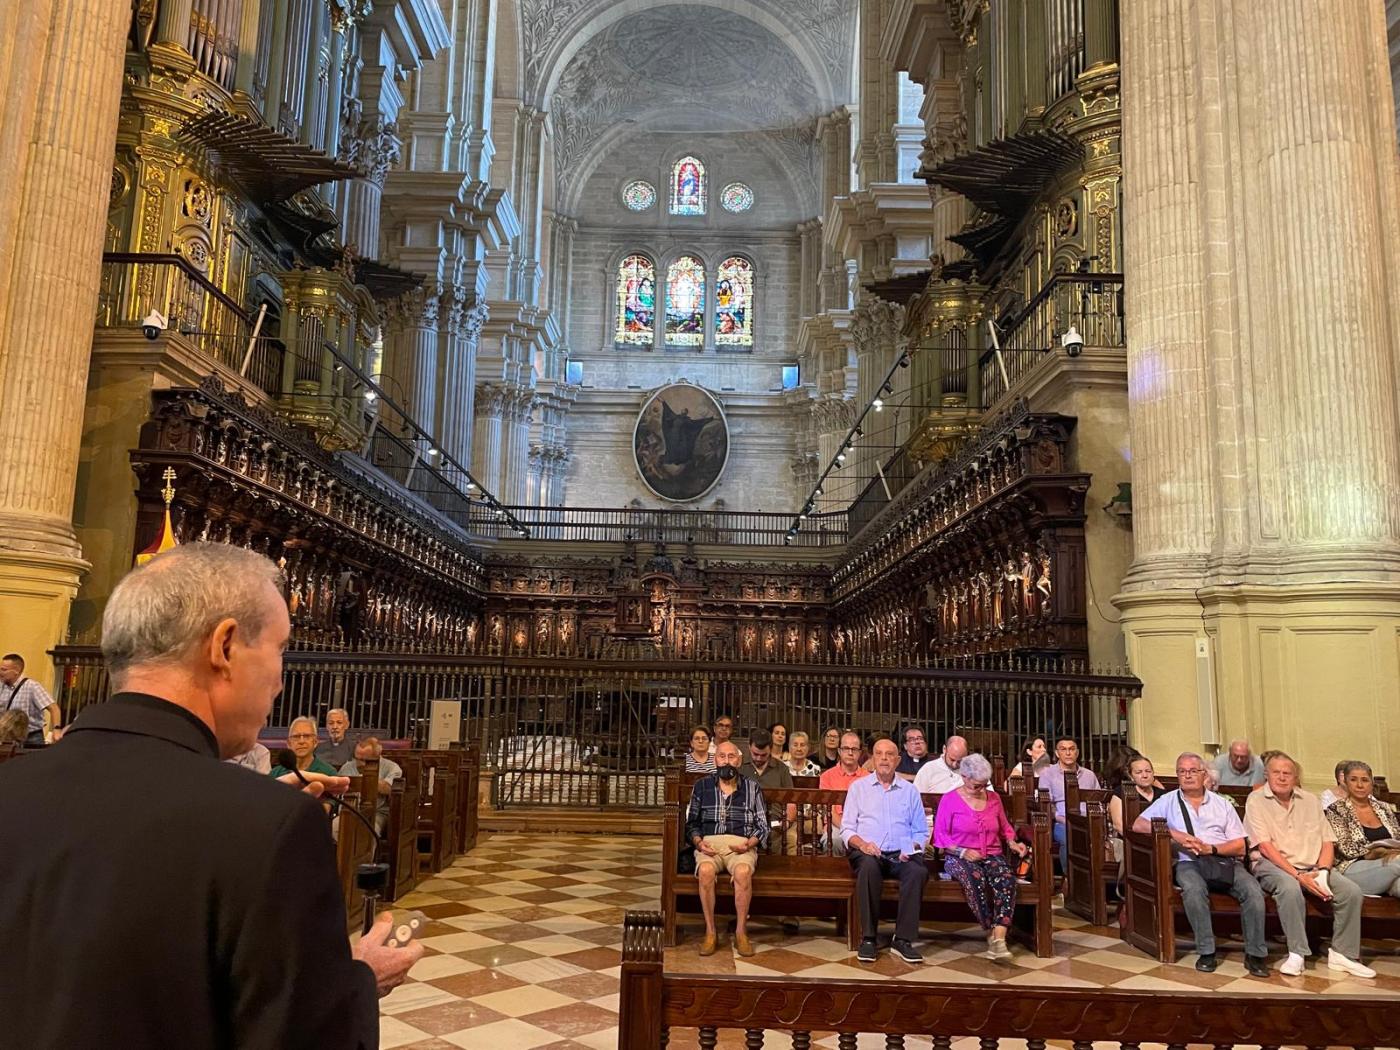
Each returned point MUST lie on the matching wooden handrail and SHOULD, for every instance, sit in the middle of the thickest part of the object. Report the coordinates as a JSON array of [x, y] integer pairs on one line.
[[653, 1001]]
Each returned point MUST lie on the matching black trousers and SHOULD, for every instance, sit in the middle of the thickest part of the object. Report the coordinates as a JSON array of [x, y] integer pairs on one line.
[[870, 873]]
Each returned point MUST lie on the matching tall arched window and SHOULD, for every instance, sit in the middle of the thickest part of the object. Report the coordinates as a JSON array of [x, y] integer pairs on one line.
[[734, 302], [685, 302], [636, 300], [688, 187]]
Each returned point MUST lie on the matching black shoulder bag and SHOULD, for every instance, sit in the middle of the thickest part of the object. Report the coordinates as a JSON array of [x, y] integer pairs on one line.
[[1212, 867]]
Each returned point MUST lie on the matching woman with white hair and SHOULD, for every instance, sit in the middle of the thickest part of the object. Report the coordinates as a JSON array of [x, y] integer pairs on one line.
[[972, 831]]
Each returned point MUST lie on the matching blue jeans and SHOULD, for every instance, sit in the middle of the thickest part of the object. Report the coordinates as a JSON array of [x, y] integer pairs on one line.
[[1061, 840], [1195, 896]]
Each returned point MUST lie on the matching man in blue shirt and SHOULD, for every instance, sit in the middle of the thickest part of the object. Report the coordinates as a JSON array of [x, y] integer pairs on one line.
[[884, 831]]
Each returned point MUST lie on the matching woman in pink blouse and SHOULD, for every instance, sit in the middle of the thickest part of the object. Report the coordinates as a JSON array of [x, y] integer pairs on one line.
[[972, 831]]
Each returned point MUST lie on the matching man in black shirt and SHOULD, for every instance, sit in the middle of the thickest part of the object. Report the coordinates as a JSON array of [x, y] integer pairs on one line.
[[915, 752], [152, 895]]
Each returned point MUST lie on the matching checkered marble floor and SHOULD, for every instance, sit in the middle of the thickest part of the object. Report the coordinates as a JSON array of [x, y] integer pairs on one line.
[[524, 951]]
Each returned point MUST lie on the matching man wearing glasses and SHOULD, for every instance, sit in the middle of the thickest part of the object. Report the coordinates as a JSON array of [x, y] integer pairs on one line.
[[301, 738], [1205, 825], [839, 778], [1053, 778]]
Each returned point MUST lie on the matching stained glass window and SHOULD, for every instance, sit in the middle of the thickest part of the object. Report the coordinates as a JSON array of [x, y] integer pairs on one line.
[[685, 302], [636, 300], [688, 187], [736, 197], [734, 302], [639, 195]]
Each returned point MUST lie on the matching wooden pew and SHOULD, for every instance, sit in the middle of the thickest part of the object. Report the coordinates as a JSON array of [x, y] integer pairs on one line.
[[354, 843], [816, 882], [438, 811], [468, 798], [401, 836], [1092, 867]]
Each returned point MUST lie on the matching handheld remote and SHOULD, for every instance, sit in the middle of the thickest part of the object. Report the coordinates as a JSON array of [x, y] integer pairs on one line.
[[406, 927]]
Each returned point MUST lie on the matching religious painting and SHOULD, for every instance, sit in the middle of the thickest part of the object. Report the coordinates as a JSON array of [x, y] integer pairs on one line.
[[734, 302], [681, 442], [636, 300], [688, 187], [685, 302]]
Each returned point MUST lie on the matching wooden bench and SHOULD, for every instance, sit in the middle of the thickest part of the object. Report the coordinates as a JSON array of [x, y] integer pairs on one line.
[[438, 810], [815, 882], [401, 836], [1152, 904], [354, 843]]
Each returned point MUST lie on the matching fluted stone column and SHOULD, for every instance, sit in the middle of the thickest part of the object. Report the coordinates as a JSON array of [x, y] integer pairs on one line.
[[515, 452], [372, 145], [487, 441], [60, 85], [1262, 227], [411, 356], [459, 374]]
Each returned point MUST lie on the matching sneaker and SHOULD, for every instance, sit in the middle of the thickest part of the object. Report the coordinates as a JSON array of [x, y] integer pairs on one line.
[[999, 949], [1338, 961], [1256, 965], [905, 950], [869, 949], [1293, 965], [1206, 963]]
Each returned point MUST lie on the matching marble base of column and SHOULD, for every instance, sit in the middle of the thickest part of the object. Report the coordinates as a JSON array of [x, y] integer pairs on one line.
[[40, 569]]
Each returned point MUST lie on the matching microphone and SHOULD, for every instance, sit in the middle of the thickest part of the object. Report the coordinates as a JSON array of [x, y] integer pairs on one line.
[[287, 760]]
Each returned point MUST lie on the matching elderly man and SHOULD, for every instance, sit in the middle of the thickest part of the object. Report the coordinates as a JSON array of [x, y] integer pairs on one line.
[[1238, 766], [301, 738], [941, 775], [1053, 777], [915, 755], [339, 749], [885, 831], [389, 771], [727, 825], [1294, 847], [1205, 825], [231, 924], [21, 693], [840, 777]]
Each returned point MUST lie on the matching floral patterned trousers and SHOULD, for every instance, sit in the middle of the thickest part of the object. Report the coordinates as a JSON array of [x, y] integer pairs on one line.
[[989, 886]]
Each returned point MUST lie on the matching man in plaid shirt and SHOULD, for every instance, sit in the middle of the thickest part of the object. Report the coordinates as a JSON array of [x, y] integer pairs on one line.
[[727, 824]]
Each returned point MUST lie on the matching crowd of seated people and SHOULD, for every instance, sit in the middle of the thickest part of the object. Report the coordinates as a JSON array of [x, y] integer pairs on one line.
[[1286, 846]]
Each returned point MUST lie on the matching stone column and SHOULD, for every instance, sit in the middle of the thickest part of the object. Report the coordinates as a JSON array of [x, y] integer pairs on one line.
[[411, 356], [1260, 266], [459, 374], [60, 86], [515, 450], [372, 145], [489, 435]]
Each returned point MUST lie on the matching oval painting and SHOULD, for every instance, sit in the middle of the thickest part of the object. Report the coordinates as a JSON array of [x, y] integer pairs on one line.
[[681, 443]]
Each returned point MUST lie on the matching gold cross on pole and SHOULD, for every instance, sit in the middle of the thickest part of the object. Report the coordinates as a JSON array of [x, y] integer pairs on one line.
[[168, 493]]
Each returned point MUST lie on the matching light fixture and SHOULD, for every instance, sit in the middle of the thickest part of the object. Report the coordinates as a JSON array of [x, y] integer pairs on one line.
[[804, 513], [470, 485], [887, 390], [370, 395], [904, 361], [841, 456], [878, 405], [432, 452], [857, 433]]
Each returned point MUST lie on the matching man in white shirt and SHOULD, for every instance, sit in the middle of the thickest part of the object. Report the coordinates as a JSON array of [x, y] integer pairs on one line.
[[1203, 823], [941, 775], [389, 771], [18, 693]]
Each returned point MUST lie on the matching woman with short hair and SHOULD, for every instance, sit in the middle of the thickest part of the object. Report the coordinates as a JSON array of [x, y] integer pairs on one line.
[[972, 831], [699, 759], [801, 766], [1362, 823]]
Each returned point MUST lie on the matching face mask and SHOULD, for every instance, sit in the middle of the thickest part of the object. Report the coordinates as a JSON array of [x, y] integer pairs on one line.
[[727, 772]]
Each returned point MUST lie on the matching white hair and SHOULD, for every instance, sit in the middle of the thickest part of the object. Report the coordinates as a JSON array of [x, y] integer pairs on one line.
[[975, 767], [337, 711], [299, 720], [173, 602], [799, 733]]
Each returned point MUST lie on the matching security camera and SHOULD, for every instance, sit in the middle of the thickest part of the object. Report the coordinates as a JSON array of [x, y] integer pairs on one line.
[[153, 325], [1072, 342]]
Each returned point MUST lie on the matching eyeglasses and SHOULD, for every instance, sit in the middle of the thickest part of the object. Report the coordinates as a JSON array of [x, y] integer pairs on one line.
[[1197, 771], [848, 749], [301, 736]]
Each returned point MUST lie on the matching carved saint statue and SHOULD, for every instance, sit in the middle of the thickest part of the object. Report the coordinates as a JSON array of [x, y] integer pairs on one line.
[[1025, 576], [1042, 583], [542, 634], [838, 639], [497, 629]]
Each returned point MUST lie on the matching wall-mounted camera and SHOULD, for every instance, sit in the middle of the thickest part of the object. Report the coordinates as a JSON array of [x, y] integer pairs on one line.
[[1072, 342], [153, 325]]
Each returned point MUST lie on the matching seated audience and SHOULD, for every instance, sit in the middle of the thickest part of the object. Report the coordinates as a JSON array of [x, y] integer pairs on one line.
[[727, 825], [14, 727], [1360, 822], [778, 734], [1035, 756], [827, 754], [1294, 847], [1210, 855], [915, 755], [18, 692], [257, 758], [941, 775], [798, 763], [724, 730], [301, 738], [884, 831], [701, 757], [339, 749], [1140, 781], [839, 778], [389, 771], [1053, 778], [762, 767], [1339, 784], [1238, 766], [972, 831]]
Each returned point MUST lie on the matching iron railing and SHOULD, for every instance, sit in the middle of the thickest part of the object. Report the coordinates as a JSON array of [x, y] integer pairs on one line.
[[674, 527], [594, 732]]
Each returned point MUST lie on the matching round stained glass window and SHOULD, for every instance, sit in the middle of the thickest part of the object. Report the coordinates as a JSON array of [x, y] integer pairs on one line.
[[736, 197], [639, 195]]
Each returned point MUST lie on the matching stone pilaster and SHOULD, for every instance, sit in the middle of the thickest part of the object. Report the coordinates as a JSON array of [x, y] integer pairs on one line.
[[411, 353], [491, 401], [60, 86], [464, 324], [1260, 264]]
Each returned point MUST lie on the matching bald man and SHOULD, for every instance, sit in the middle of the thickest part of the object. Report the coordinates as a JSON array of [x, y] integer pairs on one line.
[[941, 775]]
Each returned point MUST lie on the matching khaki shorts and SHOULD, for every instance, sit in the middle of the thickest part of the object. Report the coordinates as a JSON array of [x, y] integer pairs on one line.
[[725, 859]]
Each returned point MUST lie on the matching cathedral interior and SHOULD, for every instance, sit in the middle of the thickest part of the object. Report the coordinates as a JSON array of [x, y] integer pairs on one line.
[[1006, 366]]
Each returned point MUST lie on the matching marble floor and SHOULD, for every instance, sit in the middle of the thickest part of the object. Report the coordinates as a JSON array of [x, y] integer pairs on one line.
[[524, 952]]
